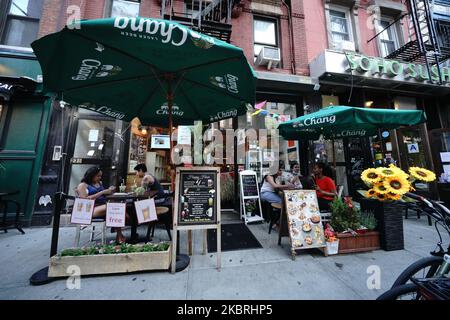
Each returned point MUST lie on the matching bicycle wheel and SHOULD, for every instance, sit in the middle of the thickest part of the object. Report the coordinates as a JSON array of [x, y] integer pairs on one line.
[[403, 292], [423, 268]]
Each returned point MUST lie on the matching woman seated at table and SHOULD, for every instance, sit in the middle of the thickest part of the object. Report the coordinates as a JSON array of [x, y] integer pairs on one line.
[[91, 187], [150, 183], [270, 188], [325, 187]]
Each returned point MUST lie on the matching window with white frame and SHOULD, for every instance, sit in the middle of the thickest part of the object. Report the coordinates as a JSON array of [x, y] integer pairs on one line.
[[388, 38], [340, 26], [19, 22], [125, 8], [264, 34]]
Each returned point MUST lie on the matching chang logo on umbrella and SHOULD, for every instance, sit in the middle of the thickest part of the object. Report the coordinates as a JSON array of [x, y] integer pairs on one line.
[[152, 27], [227, 81], [313, 121], [91, 68], [224, 115], [103, 109], [164, 111], [351, 133]]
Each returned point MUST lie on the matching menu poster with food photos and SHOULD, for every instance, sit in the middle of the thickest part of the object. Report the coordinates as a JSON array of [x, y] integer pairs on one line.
[[145, 211], [304, 220], [82, 211]]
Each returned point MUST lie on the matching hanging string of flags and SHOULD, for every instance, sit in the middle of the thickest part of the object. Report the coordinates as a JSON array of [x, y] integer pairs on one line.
[[260, 111]]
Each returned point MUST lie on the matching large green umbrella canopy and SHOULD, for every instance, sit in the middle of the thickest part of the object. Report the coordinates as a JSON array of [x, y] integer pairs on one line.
[[340, 121], [143, 67]]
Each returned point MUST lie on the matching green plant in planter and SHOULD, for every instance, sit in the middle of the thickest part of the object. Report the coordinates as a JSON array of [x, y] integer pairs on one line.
[[344, 215], [115, 249], [368, 220]]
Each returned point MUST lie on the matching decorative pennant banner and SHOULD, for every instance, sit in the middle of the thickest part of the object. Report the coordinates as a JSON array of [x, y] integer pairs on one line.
[[256, 112], [260, 105]]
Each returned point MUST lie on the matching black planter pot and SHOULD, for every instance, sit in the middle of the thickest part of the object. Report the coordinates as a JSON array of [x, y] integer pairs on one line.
[[390, 223]]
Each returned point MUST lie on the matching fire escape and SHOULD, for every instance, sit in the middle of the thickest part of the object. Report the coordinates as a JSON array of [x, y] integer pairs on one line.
[[428, 41], [211, 17]]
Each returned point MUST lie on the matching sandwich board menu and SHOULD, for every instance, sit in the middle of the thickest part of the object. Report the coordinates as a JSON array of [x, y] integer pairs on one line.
[[198, 197], [304, 220], [197, 190], [250, 201]]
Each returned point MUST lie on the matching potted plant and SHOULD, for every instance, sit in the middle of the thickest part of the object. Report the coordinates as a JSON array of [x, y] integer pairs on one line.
[[346, 221], [368, 222], [388, 186], [331, 240], [112, 258]]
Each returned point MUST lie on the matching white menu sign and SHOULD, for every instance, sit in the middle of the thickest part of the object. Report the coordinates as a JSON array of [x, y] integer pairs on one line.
[[82, 211], [145, 211], [115, 214]]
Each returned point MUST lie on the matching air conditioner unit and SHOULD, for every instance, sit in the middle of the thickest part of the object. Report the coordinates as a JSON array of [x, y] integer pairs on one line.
[[345, 46], [268, 56]]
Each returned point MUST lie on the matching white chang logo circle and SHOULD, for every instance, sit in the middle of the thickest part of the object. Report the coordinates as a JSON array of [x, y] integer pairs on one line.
[[91, 68], [228, 82]]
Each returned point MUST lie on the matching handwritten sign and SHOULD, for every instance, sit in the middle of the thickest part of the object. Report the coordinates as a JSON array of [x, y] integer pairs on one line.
[[145, 211], [115, 214], [198, 197], [304, 220], [249, 185], [82, 211]]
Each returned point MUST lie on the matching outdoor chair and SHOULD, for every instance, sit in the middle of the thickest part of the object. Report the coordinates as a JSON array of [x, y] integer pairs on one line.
[[5, 204], [97, 224], [275, 214], [164, 217]]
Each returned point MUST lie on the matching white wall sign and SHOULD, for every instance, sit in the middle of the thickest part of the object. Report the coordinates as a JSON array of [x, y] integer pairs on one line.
[[413, 148], [145, 211], [115, 214], [82, 211], [184, 135], [93, 135]]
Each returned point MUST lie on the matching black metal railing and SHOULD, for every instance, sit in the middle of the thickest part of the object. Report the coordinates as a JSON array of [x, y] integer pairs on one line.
[[443, 33]]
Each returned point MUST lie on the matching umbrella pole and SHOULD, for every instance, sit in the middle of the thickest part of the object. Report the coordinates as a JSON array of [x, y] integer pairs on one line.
[[334, 155]]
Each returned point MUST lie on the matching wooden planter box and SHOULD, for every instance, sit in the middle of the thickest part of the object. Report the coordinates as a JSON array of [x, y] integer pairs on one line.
[[368, 241], [111, 263]]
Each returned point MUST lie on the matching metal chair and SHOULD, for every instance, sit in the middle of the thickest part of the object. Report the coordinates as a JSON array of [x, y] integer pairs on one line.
[[5, 204], [96, 222]]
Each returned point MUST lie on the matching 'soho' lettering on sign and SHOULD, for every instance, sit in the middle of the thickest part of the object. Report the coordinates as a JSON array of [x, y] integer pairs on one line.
[[152, 27], [314, 121]]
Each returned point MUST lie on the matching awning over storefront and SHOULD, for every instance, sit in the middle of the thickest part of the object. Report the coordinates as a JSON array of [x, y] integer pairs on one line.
[[353, 69], [15, 85], [279, 82]]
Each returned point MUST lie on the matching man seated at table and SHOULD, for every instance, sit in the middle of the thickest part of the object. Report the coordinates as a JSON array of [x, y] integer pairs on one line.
[[150, 183]]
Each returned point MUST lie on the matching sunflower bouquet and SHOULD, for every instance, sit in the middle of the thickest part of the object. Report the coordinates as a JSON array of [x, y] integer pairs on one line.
[[392, 183]]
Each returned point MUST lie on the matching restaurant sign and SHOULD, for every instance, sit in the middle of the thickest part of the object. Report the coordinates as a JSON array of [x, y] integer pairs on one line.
[[372, 70], [391, 68]]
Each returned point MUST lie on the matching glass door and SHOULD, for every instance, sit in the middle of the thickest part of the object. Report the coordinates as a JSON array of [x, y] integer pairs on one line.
[[414, 152], [94, 146]]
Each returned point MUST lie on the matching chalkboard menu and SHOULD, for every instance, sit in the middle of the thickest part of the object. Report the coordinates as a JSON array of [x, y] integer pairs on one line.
[[198, 198], [249, 186]]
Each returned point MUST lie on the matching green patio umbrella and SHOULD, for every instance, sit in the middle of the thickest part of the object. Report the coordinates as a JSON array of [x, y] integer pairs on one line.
[[157, 70], [337, 122]]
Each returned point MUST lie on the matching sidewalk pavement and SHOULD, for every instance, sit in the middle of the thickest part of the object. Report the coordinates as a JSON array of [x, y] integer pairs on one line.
[[264, 274]]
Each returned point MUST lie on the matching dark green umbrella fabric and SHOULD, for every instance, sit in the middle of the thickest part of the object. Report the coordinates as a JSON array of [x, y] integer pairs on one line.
[[128, 67], [341, 121]]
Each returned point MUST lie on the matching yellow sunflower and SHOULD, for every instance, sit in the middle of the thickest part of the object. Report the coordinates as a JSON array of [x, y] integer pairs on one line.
[[393, 196], [371, 193], [391, 171], [370, 176], [397, 185], [381, 196], [422, 174], [380, 188]]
